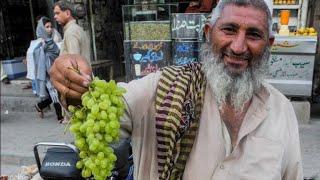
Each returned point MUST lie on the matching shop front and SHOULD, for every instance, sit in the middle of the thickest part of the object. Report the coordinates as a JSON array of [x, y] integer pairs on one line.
[[158, 35], [291, 65], [180, 35]]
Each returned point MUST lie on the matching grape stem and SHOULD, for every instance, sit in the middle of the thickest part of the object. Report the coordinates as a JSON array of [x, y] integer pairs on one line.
[[74, 69], [67, 113]]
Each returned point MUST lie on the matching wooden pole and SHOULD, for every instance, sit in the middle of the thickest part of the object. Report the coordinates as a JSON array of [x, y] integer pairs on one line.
[[32, 19]]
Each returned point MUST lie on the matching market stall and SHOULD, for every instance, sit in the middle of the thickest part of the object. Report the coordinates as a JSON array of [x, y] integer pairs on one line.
[[147, 38], [187, 36], [180, 35], [291, 64], [156, 35]]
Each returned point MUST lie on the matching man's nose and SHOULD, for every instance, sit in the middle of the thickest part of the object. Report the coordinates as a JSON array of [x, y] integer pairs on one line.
[[239, 44]]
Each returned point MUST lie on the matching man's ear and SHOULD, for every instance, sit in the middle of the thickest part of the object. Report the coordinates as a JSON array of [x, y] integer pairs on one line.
[[207, 30], [68, 12]]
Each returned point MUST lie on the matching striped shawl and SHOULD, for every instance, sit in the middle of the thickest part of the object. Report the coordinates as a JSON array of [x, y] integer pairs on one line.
[[179, 100]]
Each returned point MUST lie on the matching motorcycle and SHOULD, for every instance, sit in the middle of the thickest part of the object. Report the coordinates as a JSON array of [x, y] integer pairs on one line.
[[59, 162]]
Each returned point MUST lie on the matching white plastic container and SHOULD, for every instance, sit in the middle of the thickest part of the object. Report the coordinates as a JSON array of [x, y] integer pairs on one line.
[[14, 68]]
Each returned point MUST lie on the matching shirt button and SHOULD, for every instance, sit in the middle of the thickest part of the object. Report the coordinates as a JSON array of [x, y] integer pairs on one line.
[[221, 166]]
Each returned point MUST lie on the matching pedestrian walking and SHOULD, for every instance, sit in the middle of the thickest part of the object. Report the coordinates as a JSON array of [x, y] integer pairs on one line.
[[75, 40], [44, 52]]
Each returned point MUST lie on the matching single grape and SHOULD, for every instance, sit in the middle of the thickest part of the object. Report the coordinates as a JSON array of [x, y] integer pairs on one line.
[[112, 116], [114, 124], [95, 94], [104, 97], [79, 114], [102, 124], [104, 115], [71, 108], [95, 109], [112, 109], [96, 127], [79, 164], [108, 138], [86, 173], [90, 103], [82, 154]]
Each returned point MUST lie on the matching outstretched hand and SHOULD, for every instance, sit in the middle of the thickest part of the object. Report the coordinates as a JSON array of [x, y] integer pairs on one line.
[[70, 75]]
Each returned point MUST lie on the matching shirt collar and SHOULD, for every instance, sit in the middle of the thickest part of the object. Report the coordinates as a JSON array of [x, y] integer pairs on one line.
[[256, 113], [263, 95]]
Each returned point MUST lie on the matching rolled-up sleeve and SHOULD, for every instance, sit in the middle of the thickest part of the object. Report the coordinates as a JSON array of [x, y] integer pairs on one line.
[[140, 94]]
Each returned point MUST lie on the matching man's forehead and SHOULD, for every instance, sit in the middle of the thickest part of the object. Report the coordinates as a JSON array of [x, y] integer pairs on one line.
[[56, 8], [244, 15]]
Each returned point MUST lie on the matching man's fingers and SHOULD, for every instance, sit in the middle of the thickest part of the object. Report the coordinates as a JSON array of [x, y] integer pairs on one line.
[[73, 94], [76, 78], [62, 61], [79, 63], [83, 65], [59, 86], [70, 74], [65, 91], [77, 88]]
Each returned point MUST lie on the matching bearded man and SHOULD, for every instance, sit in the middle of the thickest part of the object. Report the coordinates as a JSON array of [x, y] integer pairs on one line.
[[212, 120]]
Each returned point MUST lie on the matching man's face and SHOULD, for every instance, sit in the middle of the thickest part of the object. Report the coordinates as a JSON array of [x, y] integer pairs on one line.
[[61, 16], [239, 36], [235, 59]]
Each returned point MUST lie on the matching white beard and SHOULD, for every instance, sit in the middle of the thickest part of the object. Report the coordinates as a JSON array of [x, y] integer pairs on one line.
[[235, 90]]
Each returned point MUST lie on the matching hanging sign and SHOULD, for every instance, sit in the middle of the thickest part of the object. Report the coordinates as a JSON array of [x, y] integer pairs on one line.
[[144, 57]]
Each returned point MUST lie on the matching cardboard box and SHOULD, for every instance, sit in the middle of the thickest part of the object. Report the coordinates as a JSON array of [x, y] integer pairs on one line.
[[14, 68]]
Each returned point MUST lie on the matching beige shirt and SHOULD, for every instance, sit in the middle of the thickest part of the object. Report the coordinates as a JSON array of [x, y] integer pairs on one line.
[[268, 145], [75, 41]]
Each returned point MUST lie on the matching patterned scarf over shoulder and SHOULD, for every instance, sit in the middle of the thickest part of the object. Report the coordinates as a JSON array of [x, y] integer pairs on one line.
[[179, 101]]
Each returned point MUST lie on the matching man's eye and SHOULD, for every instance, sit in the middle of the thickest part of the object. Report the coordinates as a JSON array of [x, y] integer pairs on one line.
[[229, 30], [254, 35]]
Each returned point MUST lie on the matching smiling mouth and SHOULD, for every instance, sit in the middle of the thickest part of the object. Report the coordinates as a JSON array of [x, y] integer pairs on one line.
[[235, 64], [236, 58]]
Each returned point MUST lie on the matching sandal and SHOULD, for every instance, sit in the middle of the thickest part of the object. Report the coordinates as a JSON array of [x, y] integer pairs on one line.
[[65, 120], [40, 112], [60, 120]]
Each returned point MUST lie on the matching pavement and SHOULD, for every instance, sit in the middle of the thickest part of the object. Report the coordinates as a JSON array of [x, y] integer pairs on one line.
[[21, 129]]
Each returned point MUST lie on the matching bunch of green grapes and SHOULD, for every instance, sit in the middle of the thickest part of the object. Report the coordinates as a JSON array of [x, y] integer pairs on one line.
[[95, 125]]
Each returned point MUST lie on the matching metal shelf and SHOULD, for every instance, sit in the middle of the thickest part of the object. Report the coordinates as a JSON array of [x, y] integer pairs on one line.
[[286, 6]]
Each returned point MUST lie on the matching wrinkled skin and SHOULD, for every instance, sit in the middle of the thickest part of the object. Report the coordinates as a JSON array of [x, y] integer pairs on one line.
[[240, 35], [63, 76]]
